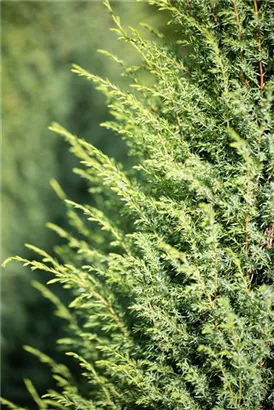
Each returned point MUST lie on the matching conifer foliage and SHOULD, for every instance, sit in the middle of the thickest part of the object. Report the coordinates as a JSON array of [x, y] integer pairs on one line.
[[173, 298]]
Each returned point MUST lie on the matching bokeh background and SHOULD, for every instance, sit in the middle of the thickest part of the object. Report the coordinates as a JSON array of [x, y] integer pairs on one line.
[[40, 41]]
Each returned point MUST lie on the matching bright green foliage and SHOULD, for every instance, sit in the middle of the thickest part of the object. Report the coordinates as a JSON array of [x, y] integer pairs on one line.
[[40, 40], [173, 302]]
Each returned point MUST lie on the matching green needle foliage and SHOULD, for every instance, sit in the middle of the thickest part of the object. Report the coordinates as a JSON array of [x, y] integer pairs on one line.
[[46, 37], [171, 276]]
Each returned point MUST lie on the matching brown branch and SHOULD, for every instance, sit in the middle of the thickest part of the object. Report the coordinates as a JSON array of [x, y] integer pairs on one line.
[[212, 6], [240, 392], [240, 36], [216, 274], [247, 219], [261, 67], [247, 213], [188, 3], [236, 12], [211, 304]]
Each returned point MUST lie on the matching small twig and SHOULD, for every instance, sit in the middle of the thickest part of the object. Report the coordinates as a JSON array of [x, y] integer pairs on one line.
[[247, 212], [261, 67], [236, 12], [212, 6]]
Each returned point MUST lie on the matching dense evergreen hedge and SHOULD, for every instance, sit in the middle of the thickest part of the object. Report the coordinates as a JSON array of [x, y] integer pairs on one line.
[[173, 296]]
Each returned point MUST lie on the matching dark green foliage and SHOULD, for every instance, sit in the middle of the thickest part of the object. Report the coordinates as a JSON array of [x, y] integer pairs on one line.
[[173, 300]]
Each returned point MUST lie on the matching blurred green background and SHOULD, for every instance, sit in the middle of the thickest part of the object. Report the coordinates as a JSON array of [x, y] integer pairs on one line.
[[40, 41]]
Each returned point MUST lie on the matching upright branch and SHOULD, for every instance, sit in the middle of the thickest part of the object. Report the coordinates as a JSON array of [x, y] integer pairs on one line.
[[261, 67]]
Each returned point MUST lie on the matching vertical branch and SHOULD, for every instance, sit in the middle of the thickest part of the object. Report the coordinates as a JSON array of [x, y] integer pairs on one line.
[[261, 67], [240, 397], [212, 6], [265, 331], [247, 218], [240, 35], [210, 301], [216, 273], [228, 384], [247, 215], [236, 12]]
